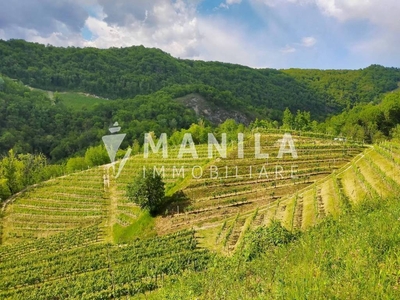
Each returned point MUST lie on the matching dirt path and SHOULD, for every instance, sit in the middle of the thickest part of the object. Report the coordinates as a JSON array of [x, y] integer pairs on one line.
[[111, 192]]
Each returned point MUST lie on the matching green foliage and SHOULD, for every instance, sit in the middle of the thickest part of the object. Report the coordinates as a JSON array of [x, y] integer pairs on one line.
[[31, 168], [76, 164], [368, 122], [22, 170], [347, 87], [128, 72], [267, 124], [149, 81], [4, 190], [287, 119], [2, 84], [395, 133], [302, 121], [96, 156], [10, 166], [262, 239], [31, 123], [148, 192], [135, 147], [355, 257]]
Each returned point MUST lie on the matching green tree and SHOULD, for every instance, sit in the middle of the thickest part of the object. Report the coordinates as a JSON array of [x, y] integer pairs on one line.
[[302, 120], [2, 84], [395, 133], [148, 192], [10, 169], [31, 168], [56, 98], [135, 147], [287, 120], [230, 127], [96, 156], [4, 190]]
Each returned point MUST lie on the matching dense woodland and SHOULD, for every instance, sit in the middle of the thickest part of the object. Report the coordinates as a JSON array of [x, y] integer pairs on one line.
[[128, 72]]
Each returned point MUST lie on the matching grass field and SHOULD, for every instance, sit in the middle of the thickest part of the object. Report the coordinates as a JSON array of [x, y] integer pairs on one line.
[[79, 100], [354, 257]]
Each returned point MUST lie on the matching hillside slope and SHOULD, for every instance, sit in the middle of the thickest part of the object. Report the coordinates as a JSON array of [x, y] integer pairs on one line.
[[85, 198], [79, 263]]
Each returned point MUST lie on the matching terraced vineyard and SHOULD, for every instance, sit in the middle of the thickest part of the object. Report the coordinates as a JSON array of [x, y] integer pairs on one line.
[[204, 198], [371, 174], [239, 191], [72, 201], [75, 265], [84, 198]]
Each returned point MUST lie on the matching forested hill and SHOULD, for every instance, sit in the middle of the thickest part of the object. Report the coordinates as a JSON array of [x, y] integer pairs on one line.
[[31, 122], [128, 72]]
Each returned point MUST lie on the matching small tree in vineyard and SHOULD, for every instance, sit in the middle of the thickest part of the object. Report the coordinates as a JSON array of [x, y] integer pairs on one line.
[[148, 192]]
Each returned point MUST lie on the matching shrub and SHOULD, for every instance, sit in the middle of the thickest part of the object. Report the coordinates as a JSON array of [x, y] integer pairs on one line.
[[263, 238]]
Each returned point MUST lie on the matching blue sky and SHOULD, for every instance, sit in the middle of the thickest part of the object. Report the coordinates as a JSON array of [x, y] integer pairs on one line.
[[325, 34]]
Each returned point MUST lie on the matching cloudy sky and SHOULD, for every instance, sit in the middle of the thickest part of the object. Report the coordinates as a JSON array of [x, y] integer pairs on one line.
[[324, 34]]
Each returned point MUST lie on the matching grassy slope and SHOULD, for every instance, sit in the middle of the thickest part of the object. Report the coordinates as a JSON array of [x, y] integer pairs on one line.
[[73, 100], [78, 100], [355, 257], [142, 228]]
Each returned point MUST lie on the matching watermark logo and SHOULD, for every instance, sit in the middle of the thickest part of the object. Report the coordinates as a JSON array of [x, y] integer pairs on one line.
[[112, 143], [187, 148]]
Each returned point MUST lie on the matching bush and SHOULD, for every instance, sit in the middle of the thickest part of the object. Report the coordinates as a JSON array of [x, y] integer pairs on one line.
[[96, 156], [76, 164], [261, 239], [4, 190]]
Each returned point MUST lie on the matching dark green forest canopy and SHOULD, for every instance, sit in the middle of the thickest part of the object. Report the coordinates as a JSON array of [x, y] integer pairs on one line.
[[127, 72], [348, 87], [31, 123]]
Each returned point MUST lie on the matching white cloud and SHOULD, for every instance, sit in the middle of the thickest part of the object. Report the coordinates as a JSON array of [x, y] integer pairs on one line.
[[288, 49], [273, 3], [380, 35], [382, 12], [173, 28], [177, 27], [383, 40], [228, 3], [308, 41], [376, 11]]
